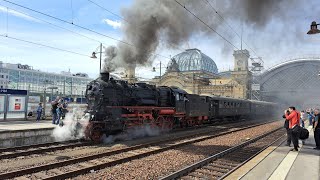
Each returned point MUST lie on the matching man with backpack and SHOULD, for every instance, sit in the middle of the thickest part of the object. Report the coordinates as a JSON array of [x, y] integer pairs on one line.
[[294, 125], [286, 125]]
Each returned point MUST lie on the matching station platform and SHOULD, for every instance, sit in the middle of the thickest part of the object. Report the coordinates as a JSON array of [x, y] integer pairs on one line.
[[277, 162], [25, 132]]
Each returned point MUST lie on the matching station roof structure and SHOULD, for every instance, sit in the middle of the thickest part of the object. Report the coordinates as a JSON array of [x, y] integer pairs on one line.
[[195, 60], [295, 82]]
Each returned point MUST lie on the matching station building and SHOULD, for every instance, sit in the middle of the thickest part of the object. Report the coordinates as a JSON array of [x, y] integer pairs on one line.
[[36, 82], [197, 73]]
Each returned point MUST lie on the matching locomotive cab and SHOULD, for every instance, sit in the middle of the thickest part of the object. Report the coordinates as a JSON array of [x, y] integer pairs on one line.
[[180, 100]]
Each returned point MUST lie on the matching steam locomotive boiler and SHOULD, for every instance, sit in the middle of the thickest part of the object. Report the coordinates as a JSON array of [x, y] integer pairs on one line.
[[115, 106]]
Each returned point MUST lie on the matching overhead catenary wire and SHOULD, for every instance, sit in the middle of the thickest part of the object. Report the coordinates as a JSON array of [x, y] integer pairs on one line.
[[76, 25], [193, 14], [43, 45], [108, 11], [71, 11], [125, 20], [227, 23], [47, 22], [7, 22]]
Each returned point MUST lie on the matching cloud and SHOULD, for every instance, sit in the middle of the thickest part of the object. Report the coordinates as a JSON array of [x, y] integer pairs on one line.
[[114, 24], [17, 14]]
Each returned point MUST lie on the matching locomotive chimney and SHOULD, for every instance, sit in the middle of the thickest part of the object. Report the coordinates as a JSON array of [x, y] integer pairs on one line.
[[105, 76]]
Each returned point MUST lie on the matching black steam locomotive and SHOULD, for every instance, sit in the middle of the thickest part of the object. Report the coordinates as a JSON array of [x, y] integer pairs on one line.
[[116, 105]]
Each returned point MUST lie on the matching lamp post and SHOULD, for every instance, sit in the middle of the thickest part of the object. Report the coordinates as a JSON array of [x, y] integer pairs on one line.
[[45, 95], [52, 88], [154, 70], [313, 28], [95, 57]]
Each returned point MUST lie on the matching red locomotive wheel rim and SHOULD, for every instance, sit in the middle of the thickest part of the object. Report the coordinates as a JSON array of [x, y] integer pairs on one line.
[[96, 136], [96, 133]]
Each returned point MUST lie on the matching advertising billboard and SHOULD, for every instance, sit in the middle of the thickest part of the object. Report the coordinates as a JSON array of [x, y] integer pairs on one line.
[[17, 103], [2, 103]]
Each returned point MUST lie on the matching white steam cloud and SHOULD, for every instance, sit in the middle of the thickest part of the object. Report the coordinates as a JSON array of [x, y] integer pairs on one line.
[[73, 126], [136, 132]]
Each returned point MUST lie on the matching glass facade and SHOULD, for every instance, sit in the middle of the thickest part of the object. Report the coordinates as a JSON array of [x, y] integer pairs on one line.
[[36, 81], [195, 60]]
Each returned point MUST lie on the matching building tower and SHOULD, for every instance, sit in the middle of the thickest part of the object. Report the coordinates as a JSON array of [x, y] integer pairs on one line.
[[241, 60], [241, 73]]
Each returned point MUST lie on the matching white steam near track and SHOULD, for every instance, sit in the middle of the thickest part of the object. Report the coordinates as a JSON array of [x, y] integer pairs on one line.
[[134, 133], [73, 126]]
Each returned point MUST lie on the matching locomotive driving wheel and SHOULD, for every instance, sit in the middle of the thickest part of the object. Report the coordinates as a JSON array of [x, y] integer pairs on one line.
[[96, 133], [167, 124]]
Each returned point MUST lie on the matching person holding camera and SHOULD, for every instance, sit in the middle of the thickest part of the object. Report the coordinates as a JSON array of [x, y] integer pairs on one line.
[[286, 125], [294, 123]]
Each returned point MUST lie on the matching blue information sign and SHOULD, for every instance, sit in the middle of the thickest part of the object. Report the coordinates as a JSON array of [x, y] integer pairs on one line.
[[13, 91]]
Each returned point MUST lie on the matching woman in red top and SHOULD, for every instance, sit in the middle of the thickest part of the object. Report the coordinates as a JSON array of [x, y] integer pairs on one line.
[[294, 120]]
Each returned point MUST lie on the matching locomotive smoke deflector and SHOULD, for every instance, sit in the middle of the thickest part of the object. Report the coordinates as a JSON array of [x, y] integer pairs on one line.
[[105, 76]]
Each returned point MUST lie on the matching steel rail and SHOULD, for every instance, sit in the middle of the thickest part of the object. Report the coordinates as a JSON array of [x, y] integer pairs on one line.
[[144, 154], [200, 164], [41, 149], [257, 153], [35, 146], [31, 170]]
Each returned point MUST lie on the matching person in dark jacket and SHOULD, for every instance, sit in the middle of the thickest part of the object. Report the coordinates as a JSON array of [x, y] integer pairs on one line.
[[39, 111], [54, 107], [316, 129], [286, 125]]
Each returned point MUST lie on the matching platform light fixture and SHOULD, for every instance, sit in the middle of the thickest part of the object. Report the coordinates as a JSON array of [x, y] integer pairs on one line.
[[313, 28], [93, 56]]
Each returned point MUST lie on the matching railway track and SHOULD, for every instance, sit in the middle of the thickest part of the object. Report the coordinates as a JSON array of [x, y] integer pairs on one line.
[[220, 165], [40, 148], [6, 153], [76, 166]]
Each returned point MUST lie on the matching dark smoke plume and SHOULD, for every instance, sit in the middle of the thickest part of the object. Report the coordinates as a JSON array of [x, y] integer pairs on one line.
[[151, 22], [258, 13]]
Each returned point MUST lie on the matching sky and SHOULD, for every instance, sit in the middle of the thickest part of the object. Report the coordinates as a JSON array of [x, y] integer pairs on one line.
[[278, 39]]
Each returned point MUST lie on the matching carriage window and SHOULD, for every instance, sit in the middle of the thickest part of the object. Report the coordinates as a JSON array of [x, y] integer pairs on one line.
[[181, 97], [177, 97]]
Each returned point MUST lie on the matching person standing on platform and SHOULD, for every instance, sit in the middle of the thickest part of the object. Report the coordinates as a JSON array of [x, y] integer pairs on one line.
[[39, 111], [286, 125], [54, 107], [303, 118], [293, 118], [310, 117], [316, 129], [59, 110]]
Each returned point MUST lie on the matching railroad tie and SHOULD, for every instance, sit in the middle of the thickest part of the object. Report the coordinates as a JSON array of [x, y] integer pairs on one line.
[[56, 171], [208, 173], [197, 175], [218, 168], [40, 175], [22, 178]]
